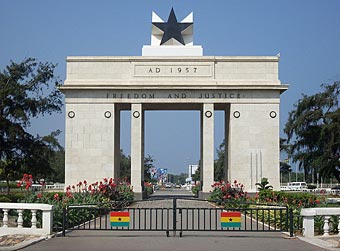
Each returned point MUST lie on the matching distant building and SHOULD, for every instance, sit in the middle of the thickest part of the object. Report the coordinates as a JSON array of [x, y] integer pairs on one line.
[[191, 171]]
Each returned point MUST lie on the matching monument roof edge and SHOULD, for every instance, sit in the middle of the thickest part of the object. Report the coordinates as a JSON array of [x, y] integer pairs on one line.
[[172, 58], [168, 87]]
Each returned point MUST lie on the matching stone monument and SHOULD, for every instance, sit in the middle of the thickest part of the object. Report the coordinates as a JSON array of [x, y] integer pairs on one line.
[[173, 74]]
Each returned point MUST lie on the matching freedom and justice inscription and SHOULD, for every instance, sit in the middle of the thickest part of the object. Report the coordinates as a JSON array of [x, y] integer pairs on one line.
[[175, 95]]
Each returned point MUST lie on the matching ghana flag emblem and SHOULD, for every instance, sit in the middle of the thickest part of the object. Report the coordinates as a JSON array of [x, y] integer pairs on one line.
[[120, 219], [230, 219]]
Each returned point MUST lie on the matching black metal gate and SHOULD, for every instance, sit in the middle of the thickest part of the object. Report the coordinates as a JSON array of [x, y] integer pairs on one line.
[[177, 216]]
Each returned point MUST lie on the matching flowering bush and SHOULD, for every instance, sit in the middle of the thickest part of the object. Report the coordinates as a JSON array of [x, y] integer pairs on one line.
[[98, 193], [228, 194], [109, 188], [195, 189], [26, 181], [148, 186]]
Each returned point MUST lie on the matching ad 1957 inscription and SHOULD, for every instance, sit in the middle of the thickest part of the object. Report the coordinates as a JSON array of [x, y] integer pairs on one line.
[[173, 70]]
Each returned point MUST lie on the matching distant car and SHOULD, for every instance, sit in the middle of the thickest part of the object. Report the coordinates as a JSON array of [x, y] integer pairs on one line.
[[168, 185], [178, 186], [335, 190]]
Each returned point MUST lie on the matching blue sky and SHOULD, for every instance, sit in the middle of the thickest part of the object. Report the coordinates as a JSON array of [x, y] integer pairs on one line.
[[305, 32]]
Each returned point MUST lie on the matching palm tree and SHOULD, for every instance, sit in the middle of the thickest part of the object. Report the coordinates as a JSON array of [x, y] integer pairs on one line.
[[264, 185]]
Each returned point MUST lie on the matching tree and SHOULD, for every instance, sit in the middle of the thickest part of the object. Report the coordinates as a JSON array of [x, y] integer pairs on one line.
[[148, 164], [285, 167], [264, 185], [125, 166], [27, 90], [57, 163], [313, 127], [219, 170]]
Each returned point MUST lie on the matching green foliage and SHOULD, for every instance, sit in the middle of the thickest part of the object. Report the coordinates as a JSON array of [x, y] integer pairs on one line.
[[219, 169], [313, 127], [57, 163], [27, 90], [14, 196], [264, 185], [292, 200], [100, 194], [195, 190], [177, 179], [197, 176], [148, 164], [148, 188], [61, 200], [125, 165]]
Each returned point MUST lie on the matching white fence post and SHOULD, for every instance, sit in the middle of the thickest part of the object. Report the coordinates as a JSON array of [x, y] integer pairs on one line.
[[47, 220], [326, 226], [5, 219], [34, 218], [308, 222], [20, 219]]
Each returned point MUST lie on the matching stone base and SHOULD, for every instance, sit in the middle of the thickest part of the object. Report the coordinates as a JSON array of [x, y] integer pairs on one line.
[[137, 196], [203, 195], [194, 50], [140, 196]]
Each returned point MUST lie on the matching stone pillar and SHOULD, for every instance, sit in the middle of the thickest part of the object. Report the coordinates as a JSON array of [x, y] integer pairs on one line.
[[207, 144], [226, 141], [89, 142], [308, 221], [137, 157], [116, 141]]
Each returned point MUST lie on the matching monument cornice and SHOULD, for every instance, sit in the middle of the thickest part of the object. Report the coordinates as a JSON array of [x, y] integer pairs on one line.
[[281, 88], [172, 59]]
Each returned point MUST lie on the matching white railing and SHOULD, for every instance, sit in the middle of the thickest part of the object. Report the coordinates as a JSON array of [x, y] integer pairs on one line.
[[56, 186], [308, 215], [47, 219]]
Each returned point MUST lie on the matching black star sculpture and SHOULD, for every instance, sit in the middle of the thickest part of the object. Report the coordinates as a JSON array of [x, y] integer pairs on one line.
[[172, 29]]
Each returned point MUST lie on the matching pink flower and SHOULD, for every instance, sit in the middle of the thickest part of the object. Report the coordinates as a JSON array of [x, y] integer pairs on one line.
[[56, 197], [39, 195]]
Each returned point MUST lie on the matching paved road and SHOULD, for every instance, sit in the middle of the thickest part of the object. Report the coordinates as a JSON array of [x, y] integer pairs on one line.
[[157, 241]]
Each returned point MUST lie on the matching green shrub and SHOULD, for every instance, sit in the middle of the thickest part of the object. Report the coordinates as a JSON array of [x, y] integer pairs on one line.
[[195, 190], [148, 188], [13, 197]]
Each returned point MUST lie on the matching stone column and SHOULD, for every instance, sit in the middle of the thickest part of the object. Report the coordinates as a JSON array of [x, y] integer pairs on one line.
[[137, 156], [207, 143], [116, 141], [226, 140]]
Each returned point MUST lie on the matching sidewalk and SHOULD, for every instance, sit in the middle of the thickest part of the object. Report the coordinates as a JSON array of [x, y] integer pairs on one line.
[[157, 241]]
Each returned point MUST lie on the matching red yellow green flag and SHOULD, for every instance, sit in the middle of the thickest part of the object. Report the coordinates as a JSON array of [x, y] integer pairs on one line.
[[120, 219], [230, 219]]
